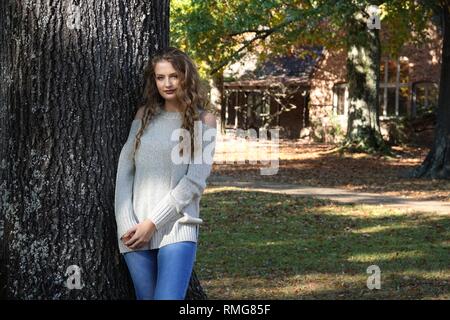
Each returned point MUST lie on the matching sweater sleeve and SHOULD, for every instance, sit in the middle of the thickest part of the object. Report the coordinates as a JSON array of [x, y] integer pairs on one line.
[[123, 199], [190, 185]]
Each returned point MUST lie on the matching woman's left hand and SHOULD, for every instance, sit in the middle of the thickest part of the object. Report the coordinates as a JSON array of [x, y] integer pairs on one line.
[[142, 234]]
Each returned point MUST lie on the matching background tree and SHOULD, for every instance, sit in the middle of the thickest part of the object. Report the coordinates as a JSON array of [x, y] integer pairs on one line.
[[215, 33], [363, 47], [437, 162], [220, 33], [346, 22], [71, 75]]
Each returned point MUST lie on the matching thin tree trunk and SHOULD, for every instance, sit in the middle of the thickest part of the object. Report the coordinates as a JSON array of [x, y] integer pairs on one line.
[[195, 290], [217, 94], [437, 163], [363, 65], [71, 75]]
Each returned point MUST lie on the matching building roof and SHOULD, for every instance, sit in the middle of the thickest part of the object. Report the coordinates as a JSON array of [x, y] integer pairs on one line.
[[289, 70]]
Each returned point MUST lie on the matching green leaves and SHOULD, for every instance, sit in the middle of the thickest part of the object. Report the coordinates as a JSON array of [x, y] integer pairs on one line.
[[214, 32]]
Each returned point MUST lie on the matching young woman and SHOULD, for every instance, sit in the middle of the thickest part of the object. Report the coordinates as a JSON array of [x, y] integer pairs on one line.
[[161, 175]]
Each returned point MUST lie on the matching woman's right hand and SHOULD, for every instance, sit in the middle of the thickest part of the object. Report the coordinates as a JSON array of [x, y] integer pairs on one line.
[[127, 236], [140, 234]]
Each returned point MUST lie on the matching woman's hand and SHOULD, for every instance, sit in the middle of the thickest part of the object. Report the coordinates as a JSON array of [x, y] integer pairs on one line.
[[139, 235]]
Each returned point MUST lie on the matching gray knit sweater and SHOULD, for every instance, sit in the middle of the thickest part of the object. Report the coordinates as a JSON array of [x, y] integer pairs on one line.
[[158, 188]]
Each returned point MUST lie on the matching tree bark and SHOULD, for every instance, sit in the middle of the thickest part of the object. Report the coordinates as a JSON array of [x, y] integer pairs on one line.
[[437, 163], [71, 74], [217, 94], [363, 72]]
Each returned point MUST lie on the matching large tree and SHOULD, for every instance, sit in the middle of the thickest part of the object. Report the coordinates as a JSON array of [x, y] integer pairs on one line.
[[363, 48], [71, 76], [437, 163]]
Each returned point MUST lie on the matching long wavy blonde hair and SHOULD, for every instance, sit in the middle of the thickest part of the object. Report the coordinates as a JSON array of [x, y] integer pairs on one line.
[[193, 96]]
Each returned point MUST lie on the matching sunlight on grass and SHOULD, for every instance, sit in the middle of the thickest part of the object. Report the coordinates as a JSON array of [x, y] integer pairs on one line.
[[373, 258], [258, 245], [379, 228]]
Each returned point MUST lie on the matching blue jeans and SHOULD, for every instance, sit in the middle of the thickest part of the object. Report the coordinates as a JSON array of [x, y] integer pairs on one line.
[[164, 273]]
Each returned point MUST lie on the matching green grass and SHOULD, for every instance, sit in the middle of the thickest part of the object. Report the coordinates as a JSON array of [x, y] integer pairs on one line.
[[256, 245]]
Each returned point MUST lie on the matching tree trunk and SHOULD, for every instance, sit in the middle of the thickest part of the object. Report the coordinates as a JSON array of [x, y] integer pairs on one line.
[[217, 94], [195, 290], [363, 72], [71, 74], [437, 163]]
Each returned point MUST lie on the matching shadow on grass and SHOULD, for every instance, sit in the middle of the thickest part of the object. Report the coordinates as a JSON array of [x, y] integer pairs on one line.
[[298, 247]]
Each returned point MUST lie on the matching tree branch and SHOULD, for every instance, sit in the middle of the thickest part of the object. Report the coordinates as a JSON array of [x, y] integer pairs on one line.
[[264, 34]]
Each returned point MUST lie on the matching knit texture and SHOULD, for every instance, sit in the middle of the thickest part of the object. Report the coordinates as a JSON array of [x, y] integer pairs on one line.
[[159, 188]]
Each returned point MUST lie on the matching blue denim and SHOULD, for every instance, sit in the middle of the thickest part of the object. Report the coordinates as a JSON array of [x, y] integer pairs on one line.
[[164, 273]]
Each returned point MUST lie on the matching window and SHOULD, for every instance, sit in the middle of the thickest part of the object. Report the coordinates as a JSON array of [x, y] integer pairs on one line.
[[394, 94], [425, 97], [231, 103], [394, 87], [340, 99]]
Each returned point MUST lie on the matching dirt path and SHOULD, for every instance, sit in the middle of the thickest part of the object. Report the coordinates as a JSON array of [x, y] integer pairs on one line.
[[335, 194]]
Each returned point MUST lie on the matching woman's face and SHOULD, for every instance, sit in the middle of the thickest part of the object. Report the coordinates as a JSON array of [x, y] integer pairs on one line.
[[167, 80]]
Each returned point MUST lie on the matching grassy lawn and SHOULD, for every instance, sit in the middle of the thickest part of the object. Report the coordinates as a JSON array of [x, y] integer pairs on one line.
[[256, 245]]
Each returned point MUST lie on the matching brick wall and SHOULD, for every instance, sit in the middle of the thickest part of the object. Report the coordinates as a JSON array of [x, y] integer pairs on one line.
[[424, 64], [425, 60], [330, 70]]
